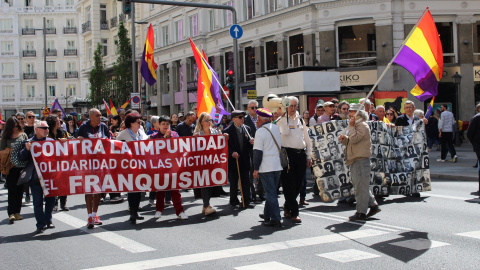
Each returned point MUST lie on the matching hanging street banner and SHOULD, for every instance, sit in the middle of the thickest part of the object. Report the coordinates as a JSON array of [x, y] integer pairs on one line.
[[102, 165], [399, 163]]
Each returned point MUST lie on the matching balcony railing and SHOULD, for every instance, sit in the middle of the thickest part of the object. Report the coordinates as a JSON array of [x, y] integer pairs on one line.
[[114, 22], [30, 76], [86, 27], [51, 30], [28, 53], [28, 31], [7, 53], [69, 30], [71, 74], [68, 52], [357, 59], [51, 52], [52, 75], [121, 17], [103, 25]]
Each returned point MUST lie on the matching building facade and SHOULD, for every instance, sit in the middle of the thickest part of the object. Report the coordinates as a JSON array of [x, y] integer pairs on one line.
[[22, 55]]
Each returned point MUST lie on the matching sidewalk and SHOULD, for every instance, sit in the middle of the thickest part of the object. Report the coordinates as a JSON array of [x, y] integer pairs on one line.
[[461, 171]]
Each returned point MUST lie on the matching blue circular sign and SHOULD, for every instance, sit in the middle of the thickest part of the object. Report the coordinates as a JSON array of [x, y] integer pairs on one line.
[[236, 31], [136, 99]]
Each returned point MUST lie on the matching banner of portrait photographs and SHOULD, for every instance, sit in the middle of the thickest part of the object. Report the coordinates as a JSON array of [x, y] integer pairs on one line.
[[399, 161]]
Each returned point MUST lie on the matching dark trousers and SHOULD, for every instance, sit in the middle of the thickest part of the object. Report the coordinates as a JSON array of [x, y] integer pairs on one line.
[[62, 199], [134, 199], [478, 168], [206, 195], [233, 179], [447, 139], [292, 179], [15, 193]]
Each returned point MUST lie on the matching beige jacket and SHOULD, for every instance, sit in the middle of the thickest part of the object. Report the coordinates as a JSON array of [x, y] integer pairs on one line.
[[357, 142]]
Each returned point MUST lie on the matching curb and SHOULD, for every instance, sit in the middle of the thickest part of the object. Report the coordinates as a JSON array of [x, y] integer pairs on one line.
[[453, 177]]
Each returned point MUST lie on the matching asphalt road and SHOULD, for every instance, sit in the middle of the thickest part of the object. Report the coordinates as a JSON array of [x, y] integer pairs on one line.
[[439, 230]]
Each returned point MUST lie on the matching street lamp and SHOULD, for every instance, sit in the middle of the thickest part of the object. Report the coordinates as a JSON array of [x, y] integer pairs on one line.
[[457, 78]]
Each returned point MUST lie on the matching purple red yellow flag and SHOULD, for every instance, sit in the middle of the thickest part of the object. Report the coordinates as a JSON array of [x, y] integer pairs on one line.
[[422, 56], [148, 66], [208, 90], [56, 105], [430, 108]]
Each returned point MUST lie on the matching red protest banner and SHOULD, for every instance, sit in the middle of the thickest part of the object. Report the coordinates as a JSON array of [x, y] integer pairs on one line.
[[102, 165]]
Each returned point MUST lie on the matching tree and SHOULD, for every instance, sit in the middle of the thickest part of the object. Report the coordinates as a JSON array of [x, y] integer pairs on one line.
[[97, 78], [122, 68]]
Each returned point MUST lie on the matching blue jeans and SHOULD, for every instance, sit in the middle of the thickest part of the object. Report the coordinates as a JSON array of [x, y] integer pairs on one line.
[[431, 141], [43, 218], [270, 182]]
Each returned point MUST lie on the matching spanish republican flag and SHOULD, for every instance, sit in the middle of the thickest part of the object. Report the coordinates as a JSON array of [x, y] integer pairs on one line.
[[149, 66], [422, 55]]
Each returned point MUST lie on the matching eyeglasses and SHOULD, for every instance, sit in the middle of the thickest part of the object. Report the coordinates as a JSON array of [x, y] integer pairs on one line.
[[389, 113], [138, 122], [409, 107], [253, 108], [344, 109], [20, 119], [240, 117], [31, 116], [44, 128], [294, 106], [208, 120]]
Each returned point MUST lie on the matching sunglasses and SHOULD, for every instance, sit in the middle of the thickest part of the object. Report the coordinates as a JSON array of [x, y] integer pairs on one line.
[[138, 122], [240, 117], [253, 108], [31, 116], [20, 119], [44, 128], [389, 113], [208, 120]]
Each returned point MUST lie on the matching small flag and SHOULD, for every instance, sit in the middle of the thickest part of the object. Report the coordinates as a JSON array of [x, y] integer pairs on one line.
[[112, 108], [106, 107], [148, 65], [422, 56], [56, 105], [124, 106], [430, 108]]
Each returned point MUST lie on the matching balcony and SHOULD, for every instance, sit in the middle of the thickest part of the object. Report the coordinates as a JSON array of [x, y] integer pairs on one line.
[[69, 52], [28, 31], [29, 53], [121, 17], [30, 76], [103, 25], [86, 27], [71, 74], [69, 30], [7, 53], [51, 30], [114, 22], [52, 75], [51, 52]]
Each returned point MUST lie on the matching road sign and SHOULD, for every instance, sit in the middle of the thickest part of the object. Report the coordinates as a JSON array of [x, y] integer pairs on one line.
[[227, 92], [236, 31], [252, 94], [135, 100]]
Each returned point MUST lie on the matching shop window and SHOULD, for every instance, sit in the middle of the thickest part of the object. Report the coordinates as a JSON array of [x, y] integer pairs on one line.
[[357, 45]]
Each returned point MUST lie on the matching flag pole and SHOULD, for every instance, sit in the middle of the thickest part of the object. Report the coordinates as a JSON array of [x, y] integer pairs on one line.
[[391, 61]]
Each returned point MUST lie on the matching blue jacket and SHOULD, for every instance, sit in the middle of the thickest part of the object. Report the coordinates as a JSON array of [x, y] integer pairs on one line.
[[26, 155]]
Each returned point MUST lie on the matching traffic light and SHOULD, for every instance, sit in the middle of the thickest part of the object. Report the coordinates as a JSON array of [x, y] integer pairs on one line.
[[149, 105], [143, 93], [127, 6], [230, 80]]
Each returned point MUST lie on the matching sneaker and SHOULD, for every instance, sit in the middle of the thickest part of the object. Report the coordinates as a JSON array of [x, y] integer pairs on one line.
[[50, 226], [182, 216], [158, 214], [209, 210], [373, 210], [440, 160], [454, 159], [116, 199], [151, 202], [18, 216], [358, 216], [90, 223], [97, 221], [296, 219], [11, 218]]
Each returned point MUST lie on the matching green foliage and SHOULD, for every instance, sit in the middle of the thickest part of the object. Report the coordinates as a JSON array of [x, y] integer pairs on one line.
[[122, 68], [97, 78]]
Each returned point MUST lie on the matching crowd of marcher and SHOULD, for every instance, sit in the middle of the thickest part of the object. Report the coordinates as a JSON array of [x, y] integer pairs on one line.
[[258, 140]]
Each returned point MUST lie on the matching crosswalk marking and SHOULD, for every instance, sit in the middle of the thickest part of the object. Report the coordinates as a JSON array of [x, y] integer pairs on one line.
[[267, 266], [473, 234], [243, 251], [419, 244], [349, 255]]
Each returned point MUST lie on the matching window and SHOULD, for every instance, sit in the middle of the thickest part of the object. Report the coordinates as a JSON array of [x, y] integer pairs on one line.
[[70, 23], [28, 3], [49, 3], [7, 47], [69, 2], [29, 23], [103, 13], [271, 54], [294, 2], [270, 6], [71, 90], [228, 14], [165, 35], [50, 67], [70, 44], [50, 23], [30, 91], [88, 49], [249, 63], [249, 10], [51, 90], [8, 91], [193, 20], [104, 47], [476, 42], [211, 14], [178, 31], [29, 46], [445, 31], [357, 45], [6, 26], [50, 45], [88, 14], [7, 70], [71, 66], [29, 68]]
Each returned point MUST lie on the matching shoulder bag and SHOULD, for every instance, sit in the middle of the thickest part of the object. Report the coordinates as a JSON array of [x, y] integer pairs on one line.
[[283, 153]]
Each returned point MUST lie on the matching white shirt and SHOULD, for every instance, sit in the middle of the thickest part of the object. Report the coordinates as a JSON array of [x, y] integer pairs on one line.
[[294, 134], [265, 143]]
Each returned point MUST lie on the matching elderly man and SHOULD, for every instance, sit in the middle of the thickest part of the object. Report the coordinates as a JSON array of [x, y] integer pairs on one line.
[[266, 164], [187, 127], [367, 104], [357, 155], [315, 119], [42, 216], [297, 142], [329, 113], [239, 158], [93, 128], [380, 112], [251, 121], [342, 110]]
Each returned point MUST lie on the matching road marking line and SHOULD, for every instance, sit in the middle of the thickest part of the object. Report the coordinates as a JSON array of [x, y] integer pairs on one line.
[[419, 244], [103, 234], [348, 255], [449, 197], [473, 234], [243, 251], [267, 266]]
